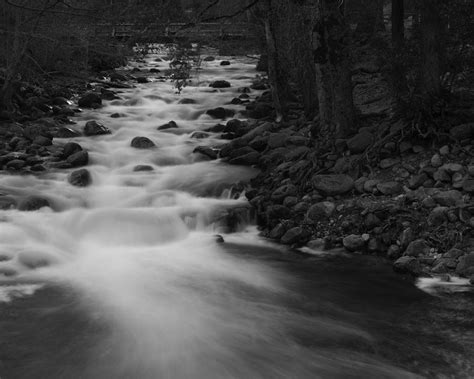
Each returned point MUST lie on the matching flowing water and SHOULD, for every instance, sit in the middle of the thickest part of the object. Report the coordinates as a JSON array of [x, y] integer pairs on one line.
[[125, 279]]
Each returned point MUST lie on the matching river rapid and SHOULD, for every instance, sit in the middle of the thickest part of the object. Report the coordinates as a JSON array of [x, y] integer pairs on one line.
[[125, 279]]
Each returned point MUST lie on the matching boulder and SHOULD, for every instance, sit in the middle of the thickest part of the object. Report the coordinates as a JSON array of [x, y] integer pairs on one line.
[[277, 212], [168, 125], [71, 148], [33, 203], [94, 128], [246, 159], [417, 247], [465, 267], [437, 216], [15, 165], [388, 162], [360, 142], [80, 178], [64, 132], [225, 63], [81, 158], [142, 167], [332, 185], [199, 135], [142, 143], [90, 100], [281, 192], [187, 101], [407, 265], [206, 151], [320, 211], [220, 84], [354, 242], [42, 141], [294, 235], [220, 112], [468, 185]]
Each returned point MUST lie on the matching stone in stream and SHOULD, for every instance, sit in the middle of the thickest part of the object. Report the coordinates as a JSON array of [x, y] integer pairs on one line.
[[142, 167], [354, 242], [295, 235], [81, 158], [407, 265], [142, 80], [206, 151], [168, 125], [209, 59], [33, 203], [199, 135], [220, 112], [7, 202], [465, 267], [94, 128], [187, 101], [90, 100], [80, 178], [142, 143], [220, 84], [320, 211], [225, 63], [15, 165], [42, 141], [71, 148], [64, 132], [417, 247]]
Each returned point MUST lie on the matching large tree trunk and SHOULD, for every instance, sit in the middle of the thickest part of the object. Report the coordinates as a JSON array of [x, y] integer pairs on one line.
[[432, 45], [398, 23], [371, 18], [332, 60]]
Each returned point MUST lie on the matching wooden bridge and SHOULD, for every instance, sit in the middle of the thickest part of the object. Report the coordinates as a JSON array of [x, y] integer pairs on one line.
[[158, 32]]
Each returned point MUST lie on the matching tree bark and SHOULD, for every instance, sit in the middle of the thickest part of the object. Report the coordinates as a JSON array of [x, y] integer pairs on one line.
[[398, 23], [333, 65], [371, 18], [432, 45]]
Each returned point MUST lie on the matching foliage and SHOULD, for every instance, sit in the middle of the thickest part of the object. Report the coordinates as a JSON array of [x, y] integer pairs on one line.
[[184, 59]]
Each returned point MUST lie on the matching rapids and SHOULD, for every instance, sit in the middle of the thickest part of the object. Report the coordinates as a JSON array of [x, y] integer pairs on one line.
[[124, 279]]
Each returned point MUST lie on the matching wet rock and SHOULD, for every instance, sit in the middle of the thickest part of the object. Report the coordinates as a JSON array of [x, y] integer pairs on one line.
[[199, 135], [71, 148], [277, 232], [417, 247], [452, 168], [206, 151], [94, 128], [453, 253], [448, 198], [142, 143], [390, 188], [331, 185], [417, 181], [406, 236], [360, 142], [219, 239], [80, 178], [142, 80], [220, 113], [370, 185], [394, 252], [246, 159], [441, 175], [281, 192], [31, 132], [33, 203], [81, 158], [7, 202], [168, 125], [142, 167], [353, 242], [465, 267], [90, 100], [220, 84], [15, 165], [294, 235], [225, 63], [64, 132], [320, 211], [407, 265], [187, 101], [259, 86], [464, 131], [209, 59]]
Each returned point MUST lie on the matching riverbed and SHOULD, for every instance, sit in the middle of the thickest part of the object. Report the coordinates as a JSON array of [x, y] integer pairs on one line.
[[126, 278]]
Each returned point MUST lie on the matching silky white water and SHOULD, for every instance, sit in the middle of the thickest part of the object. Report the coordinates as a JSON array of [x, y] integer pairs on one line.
[[139, 250]]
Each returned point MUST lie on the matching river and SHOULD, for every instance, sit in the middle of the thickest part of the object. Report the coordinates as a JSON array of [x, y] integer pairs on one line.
[[125, 279]]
